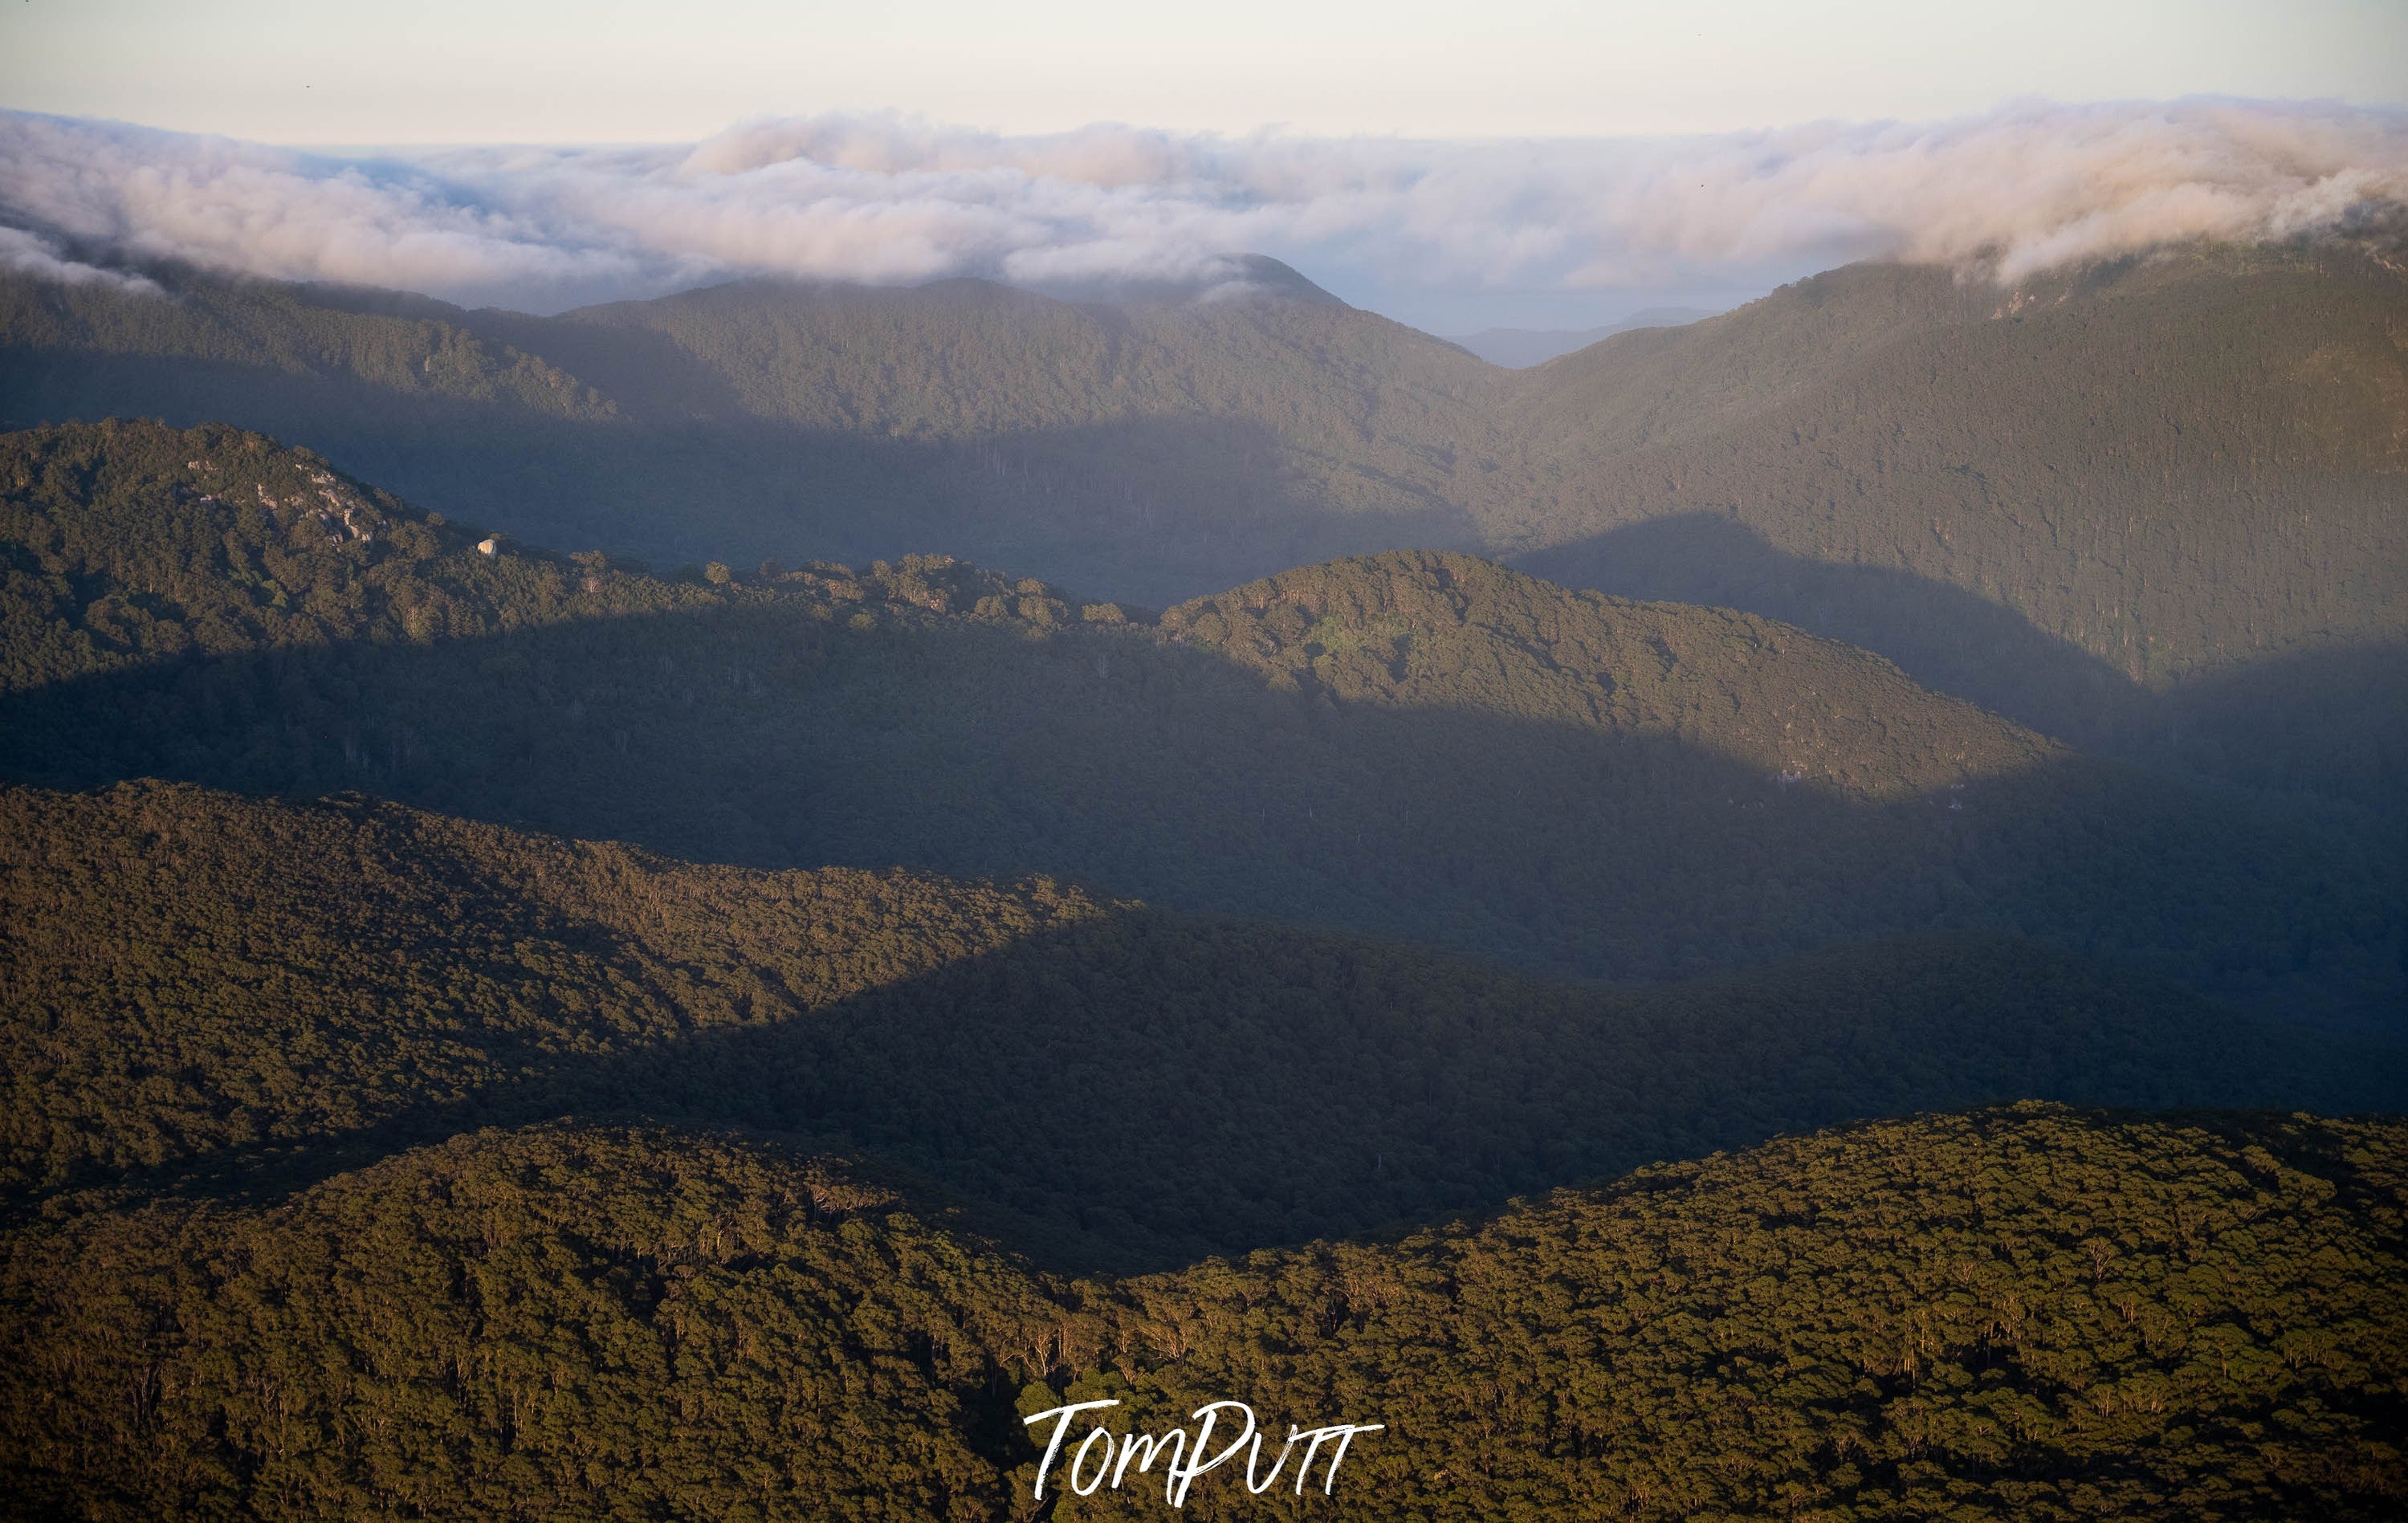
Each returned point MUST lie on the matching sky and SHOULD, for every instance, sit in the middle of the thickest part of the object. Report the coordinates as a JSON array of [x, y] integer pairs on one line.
[[1459, 165], [326, 72]]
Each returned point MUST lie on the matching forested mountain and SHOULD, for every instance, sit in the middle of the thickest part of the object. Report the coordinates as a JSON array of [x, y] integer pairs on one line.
[[2099, 501], [252, 989], [472, 1017], [2037, 497], [1149, 448], [1414, 745], [2021, 1314]]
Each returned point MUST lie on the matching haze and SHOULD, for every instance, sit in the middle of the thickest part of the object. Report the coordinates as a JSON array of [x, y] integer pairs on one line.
[[1558, 166], [555, 72]]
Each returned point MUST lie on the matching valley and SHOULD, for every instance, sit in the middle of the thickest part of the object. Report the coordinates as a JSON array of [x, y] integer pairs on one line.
[[695, 908], [1831, 455]]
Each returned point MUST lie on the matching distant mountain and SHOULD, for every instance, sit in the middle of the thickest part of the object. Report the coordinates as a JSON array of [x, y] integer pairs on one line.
[[1416, 745], [1148, 447], [2006, 1314], [1518, 349], [2154, 507], [2086, 502]]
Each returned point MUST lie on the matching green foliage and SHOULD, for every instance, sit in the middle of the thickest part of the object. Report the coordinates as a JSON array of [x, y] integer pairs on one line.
[[1448, 632], [208, 993], [365, 1162], [1483, 761], [401, 346], [193, 973], [1149, 449], [2025, 1314], [128, 545], [2082, 448], [576, 1323], [2058, 499], [2019, 1315]]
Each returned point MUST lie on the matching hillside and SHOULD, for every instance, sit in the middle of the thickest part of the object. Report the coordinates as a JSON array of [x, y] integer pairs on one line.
[[2202, 474], [1414, 745], [222, 993], [2040, 498], [2021, 1314], [1150, 447]]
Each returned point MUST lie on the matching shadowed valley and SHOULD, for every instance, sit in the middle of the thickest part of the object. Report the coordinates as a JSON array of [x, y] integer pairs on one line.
[[1414, 745], [2176, 468]]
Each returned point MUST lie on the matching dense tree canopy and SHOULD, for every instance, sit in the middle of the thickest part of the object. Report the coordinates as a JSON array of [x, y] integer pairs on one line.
[[1341, 993], [208, 993], [1414, 744], [2088, 499], [2025, 1314]]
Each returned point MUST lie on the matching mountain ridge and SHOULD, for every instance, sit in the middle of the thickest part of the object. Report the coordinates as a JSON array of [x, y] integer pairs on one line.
[[2010, 1314], [490, 1028], [1414, 745], [209, 995], [2203, 471]]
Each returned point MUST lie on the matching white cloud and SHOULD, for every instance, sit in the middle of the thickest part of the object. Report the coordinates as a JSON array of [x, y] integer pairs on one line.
[[889, 199], [27, 254]]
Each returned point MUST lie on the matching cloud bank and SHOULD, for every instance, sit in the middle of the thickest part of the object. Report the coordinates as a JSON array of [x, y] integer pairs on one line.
[[891, 200]]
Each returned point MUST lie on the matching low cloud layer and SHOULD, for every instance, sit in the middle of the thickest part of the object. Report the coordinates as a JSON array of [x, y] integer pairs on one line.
[[892, 200]]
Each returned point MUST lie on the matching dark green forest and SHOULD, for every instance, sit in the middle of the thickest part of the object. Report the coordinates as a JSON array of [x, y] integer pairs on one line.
[[2025, 1314], [2092, 501], [1416, 745], [206, 993], [610, 975]]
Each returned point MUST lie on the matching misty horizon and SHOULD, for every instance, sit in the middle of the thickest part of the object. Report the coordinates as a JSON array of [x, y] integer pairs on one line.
[[1451, 236]]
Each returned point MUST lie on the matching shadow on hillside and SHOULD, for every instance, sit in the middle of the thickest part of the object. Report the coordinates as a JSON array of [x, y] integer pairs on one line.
[[1148, 509], [2333, 722], [1271, 1086], [1143, 1090], [756, 735]]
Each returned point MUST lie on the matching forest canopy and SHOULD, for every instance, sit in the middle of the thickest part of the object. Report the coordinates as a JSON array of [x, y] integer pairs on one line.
[[488, 1032], [1412, 745], [2026, 1314], [2089, 499], [207, 994]]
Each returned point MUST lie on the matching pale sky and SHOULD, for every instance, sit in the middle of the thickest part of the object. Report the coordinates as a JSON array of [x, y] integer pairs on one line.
[[333, 72]]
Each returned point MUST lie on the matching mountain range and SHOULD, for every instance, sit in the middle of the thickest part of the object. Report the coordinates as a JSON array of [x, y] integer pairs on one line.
[[215, 995], [2150, 506], [693, 909], [1417, 744]]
